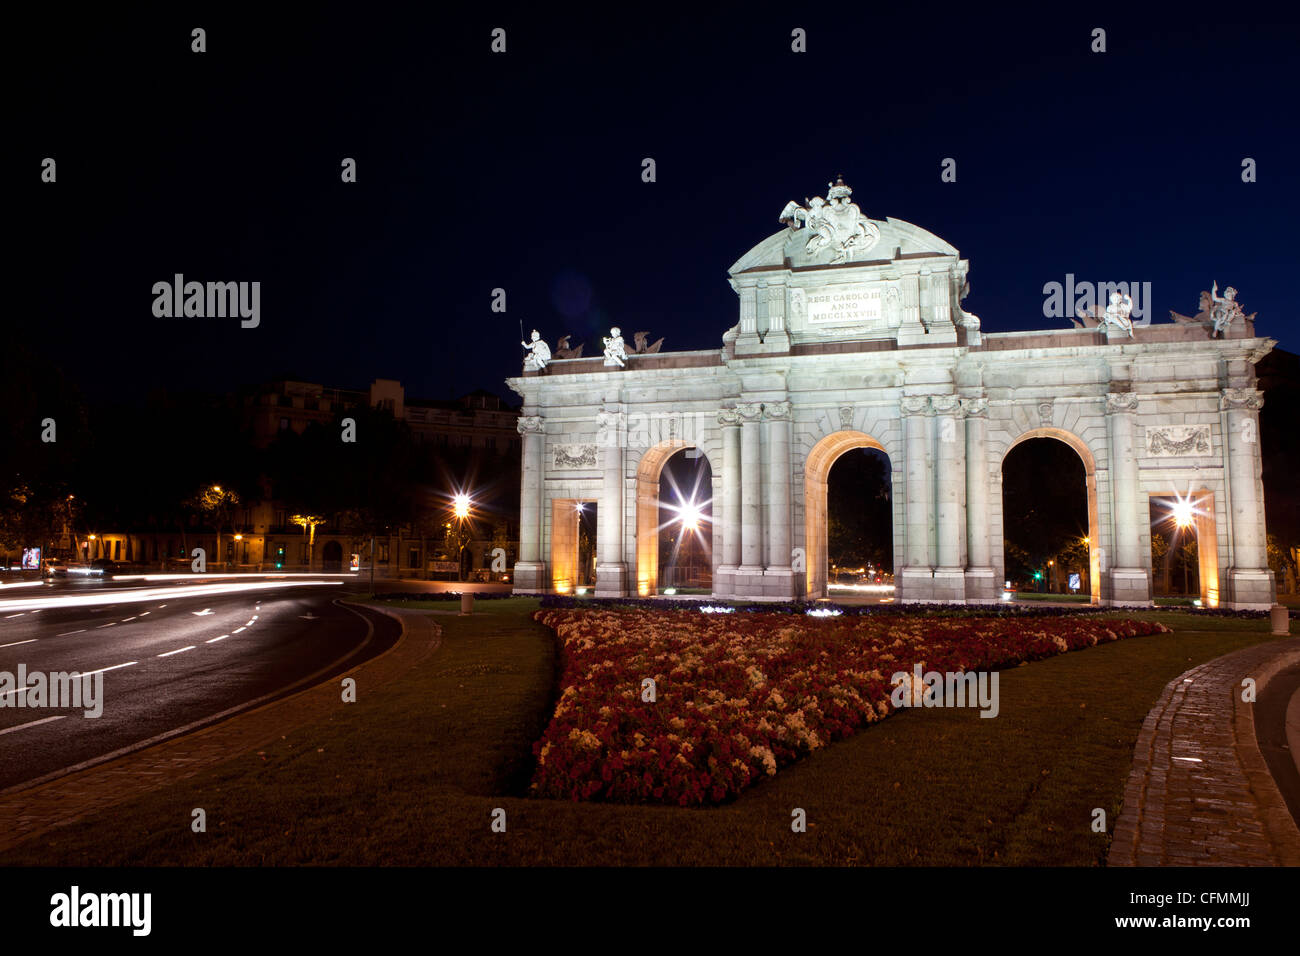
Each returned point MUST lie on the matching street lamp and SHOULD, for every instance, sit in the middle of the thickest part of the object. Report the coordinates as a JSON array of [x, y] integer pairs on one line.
[[691, 516], [1183, 512], [462, 506]]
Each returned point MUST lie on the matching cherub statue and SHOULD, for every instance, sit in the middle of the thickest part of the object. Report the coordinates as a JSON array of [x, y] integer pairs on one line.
[[615, 353], [539, 353], [563, 351], [1224, 308], [1118, 312], [1216, 311]]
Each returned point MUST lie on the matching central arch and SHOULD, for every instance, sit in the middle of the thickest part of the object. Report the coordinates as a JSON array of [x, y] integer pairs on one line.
[[816, 472], [1090, 480]]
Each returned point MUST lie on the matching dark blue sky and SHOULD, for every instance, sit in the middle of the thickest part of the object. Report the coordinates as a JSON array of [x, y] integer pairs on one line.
[[523, 171]]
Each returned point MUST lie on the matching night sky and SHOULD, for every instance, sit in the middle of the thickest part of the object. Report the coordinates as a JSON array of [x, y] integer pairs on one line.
[[523, 171]]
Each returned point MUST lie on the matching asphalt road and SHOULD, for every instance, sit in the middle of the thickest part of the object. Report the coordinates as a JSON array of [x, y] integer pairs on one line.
[[169, 658], [1275, 744]]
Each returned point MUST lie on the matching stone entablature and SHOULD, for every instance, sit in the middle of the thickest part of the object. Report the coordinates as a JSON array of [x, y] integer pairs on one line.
[[1169, 410]]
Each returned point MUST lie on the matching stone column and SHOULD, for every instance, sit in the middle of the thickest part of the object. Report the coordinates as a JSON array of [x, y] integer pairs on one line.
[[749, 575], [950, 487], [611, 566], [725, 580], [916, 580], [778, 578], [1128, 576], [530, 569], [1251, 580], [980, 583]]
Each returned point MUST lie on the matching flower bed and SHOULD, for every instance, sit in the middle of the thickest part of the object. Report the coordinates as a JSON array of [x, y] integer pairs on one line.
[[739, 696]]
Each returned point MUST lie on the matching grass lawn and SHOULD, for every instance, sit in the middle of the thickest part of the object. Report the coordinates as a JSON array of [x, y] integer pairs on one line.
[[1054, 598], [411, 773]]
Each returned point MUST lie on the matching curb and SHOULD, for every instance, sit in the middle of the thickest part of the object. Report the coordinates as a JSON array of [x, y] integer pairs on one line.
[[1224, 810]]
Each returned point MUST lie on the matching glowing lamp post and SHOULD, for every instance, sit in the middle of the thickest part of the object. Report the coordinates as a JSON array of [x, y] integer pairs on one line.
[[1182, 521], [462, 507]]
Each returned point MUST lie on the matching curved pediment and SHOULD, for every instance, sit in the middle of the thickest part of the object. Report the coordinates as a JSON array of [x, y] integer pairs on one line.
[[788, 249]]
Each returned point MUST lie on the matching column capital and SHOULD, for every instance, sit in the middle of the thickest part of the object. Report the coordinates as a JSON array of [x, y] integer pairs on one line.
[[1249, 398], [915, 404], [946, 404], [728, 417], [531, 425], [749, 411], [776, 411], [975, 407], [1121, 402]]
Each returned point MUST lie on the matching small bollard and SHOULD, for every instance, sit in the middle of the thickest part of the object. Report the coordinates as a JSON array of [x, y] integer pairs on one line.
[[1280, 617], [466, 603]]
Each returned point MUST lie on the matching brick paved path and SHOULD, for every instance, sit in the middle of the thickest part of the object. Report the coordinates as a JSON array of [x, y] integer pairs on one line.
[[27, 813], [1200, 792]]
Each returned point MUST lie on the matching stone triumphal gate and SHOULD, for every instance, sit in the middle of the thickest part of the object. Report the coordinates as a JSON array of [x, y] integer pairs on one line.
[[851, 334]]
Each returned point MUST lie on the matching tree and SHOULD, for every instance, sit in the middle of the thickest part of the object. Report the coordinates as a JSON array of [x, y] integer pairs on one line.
[[215, 503], [308, 524]]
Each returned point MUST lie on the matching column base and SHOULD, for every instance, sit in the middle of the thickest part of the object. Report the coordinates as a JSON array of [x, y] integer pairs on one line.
[[1129, 587], [724, 581], [1252, 590], [779, 584], [949, 586], [531, 578], [914, 585], [982, 586], [773, 343], [749, 582], [611, 580]]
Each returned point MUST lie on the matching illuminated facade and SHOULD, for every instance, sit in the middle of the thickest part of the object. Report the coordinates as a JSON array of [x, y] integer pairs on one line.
[[851, 334]]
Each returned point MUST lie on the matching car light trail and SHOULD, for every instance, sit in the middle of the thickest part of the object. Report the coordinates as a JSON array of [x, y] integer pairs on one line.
[[136, 595], [222, 576]]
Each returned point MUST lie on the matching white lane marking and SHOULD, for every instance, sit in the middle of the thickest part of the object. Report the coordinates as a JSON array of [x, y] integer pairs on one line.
[[109, 624], [66, 633], [16, 643], [125, 619], [23, 690], [250, 623], [43, 720], [205, 611], [215, 639], [238, 629], [162, 605], [254, 617], [19, 614], [309, 616], [179, 650], [113, 668], [145, 613]]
